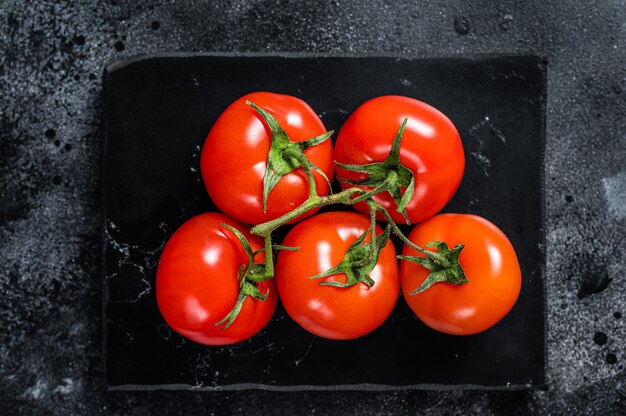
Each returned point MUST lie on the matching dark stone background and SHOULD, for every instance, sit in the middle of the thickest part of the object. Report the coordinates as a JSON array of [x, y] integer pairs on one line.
[[51, 60]]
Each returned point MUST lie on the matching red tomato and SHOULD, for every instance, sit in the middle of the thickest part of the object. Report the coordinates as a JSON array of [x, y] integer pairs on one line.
[[490, 265], [234, 158], [197, 283], [326, 311], [431, 148]]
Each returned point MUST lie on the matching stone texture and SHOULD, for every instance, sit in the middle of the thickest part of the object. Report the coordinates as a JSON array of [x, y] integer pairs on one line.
[[52, 54]]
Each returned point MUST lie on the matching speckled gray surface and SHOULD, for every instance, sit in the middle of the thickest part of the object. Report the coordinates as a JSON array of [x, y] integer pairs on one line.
[[52, 55]]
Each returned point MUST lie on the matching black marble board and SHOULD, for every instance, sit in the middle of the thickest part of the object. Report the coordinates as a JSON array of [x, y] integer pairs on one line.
[[159, 109]]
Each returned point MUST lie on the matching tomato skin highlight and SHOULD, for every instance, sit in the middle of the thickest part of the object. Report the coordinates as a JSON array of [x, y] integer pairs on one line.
[[331, 312], [234, 158], [431, 148], [197, 286], [489, 262]]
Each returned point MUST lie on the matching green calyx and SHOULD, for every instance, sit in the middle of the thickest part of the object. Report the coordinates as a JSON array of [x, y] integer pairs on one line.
[[250, 274], [359, 261], [285, 155], [391, 176], [444, 265]]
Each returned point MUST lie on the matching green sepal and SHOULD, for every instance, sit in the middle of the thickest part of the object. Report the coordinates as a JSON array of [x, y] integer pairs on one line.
[[432, 244], [284, 155], [247, 289], [444, 265], [358, 262], [303, 145], [244, 242], [305, 163], [248, 277], [391, 176]]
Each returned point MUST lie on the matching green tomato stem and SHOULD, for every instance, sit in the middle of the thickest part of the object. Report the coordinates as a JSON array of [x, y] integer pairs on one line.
[[396, 230], [391, 179], [314, 201], [269, 257]]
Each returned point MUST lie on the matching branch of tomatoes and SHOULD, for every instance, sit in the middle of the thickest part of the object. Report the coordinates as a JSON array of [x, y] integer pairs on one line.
[[195, 275]]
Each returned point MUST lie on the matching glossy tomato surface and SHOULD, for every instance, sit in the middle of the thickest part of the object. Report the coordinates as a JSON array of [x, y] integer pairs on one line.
[[431, 148], [490, 265], [234, 157], [326, 311], [197, 282]]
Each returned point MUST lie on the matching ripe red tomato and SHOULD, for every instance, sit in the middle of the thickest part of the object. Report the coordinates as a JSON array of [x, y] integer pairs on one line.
[[197, 283], [234, 158], [431, 148], [326, 311], [490, 265]]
